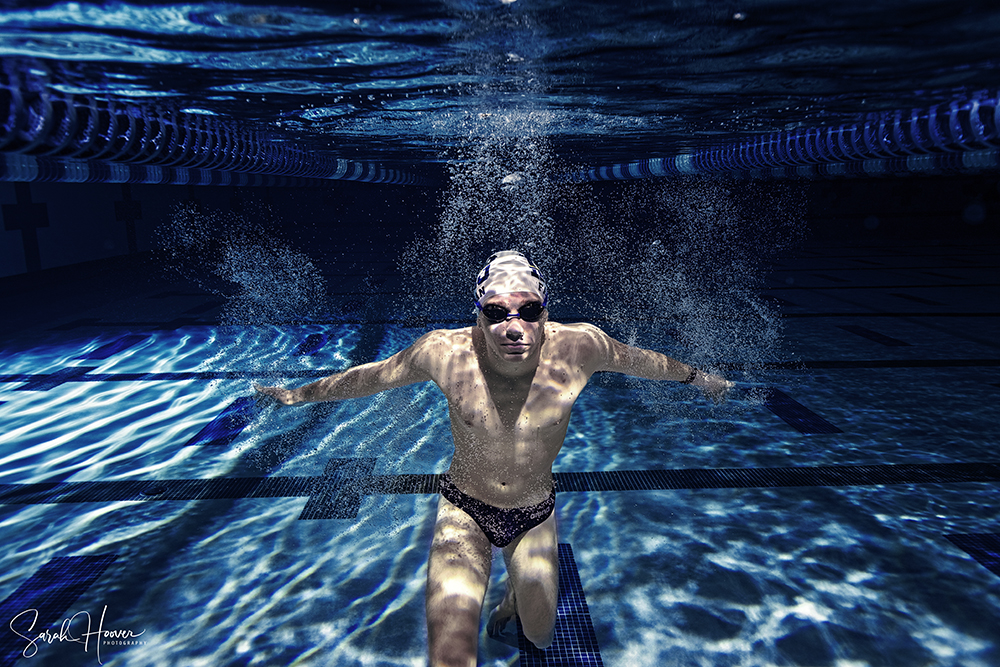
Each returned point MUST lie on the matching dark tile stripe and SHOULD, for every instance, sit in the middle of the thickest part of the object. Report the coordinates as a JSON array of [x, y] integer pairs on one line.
[[575, 642], [225, 428], [984, 547], [53, 380], [51, 591], [402, 484], [367, 348], [83, 374], [338, 493], [353, 476], [797, 415], [888, 341], [114, 347], [311, 345]]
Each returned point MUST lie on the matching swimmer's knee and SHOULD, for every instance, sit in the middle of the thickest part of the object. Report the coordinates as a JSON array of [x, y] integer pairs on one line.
[[541, 639], [538, 613]]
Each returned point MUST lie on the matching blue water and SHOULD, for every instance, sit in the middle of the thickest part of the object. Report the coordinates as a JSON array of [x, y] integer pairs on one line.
[[496, 99], [802, 575]]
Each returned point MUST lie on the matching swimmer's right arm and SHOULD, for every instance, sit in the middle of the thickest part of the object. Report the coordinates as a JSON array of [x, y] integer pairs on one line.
[[402, 368]]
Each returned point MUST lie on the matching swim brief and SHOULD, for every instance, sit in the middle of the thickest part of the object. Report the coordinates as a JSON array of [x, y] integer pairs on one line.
[[501, 524]]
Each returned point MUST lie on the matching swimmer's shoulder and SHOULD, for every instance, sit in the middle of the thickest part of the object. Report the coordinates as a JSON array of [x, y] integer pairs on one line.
[[576, 331], [441, 341], [580, 337]]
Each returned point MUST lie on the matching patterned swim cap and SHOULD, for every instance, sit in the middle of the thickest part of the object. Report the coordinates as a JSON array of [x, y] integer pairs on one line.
[[509, 271]]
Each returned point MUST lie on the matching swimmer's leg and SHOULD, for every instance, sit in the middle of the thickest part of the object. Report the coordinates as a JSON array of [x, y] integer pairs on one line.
[[532, 584], [458, 571]]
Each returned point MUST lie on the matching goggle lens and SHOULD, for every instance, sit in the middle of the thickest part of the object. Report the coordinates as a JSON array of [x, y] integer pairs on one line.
[[529, 312]]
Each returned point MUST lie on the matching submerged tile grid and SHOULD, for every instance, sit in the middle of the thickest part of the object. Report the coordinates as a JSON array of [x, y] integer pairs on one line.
[[51, 380], [575, 643], [338, 494], [50, 592], [795, 414], [353, 476], [311, 345], [328, 484], [227, 426]]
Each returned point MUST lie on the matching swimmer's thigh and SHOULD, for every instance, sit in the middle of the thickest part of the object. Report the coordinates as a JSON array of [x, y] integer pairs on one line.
[[458, 571]]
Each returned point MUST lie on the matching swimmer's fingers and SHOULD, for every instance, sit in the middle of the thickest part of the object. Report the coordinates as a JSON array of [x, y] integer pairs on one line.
[[715, 387], [279, 394]]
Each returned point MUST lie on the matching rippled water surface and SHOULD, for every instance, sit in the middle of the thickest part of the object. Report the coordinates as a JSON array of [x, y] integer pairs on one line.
[[410, 81]]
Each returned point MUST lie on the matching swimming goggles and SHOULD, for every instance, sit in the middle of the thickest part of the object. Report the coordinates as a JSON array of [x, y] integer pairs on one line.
[[529, 312]]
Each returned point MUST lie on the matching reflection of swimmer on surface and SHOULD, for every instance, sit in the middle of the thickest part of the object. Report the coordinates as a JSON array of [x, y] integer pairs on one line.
[[511, 381]]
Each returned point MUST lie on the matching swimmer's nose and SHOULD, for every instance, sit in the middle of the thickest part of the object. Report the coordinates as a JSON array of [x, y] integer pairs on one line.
[[514, 332]]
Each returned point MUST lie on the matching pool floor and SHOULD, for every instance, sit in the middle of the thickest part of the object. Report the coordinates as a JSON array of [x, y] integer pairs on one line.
[[841, 511]]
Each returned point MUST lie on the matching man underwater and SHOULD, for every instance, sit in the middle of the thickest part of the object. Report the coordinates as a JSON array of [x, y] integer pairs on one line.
[[511, 381]]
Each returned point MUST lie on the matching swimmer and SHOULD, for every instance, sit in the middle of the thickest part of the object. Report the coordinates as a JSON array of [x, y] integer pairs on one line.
[[511, 381]]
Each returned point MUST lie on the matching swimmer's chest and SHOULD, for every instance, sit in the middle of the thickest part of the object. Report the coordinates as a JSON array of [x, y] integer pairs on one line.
[[537, 411]]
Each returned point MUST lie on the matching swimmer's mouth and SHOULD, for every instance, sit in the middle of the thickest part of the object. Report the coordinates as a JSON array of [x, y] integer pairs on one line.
[[515, 347]]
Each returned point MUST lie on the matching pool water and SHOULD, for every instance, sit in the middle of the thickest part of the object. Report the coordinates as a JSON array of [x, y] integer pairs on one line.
[[839, 509], [215, 561]]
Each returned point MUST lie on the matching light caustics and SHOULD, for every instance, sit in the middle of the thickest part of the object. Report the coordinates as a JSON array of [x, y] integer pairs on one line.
[[957, 136], [48, 135]]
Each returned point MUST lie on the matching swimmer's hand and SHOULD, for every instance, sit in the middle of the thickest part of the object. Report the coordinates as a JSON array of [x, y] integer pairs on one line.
[[280, 394], [715, 387]]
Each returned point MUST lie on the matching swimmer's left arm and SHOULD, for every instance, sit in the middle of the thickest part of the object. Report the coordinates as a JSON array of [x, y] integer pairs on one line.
[[616, 357], [403, 368]]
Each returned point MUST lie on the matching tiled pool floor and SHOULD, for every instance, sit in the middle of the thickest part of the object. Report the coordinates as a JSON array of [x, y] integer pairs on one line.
[[843, 512]]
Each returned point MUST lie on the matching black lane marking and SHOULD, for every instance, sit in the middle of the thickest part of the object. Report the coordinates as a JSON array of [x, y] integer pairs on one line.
[[311, 345], [575, 642], [43, 381], [615, 480], [795, 414], [983, 547], [338, 493], [227, 426]]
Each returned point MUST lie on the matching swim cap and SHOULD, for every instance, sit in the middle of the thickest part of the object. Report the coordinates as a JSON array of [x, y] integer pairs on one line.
[[509, 271]]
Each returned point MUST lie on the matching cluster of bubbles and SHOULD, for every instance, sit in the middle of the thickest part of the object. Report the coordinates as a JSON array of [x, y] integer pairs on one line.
[[676, 265], [684, 269], [504, 193], [240, 256]]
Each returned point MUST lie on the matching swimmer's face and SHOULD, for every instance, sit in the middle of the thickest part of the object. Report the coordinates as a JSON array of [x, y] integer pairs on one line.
[[513, 340]]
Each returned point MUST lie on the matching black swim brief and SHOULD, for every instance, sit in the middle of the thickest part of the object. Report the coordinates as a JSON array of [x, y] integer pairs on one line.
[[501, 524]]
